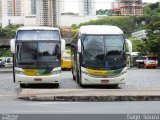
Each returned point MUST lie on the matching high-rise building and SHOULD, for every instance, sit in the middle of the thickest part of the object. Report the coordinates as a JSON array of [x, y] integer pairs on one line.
[[29, 7], [13, 7], [33, 7], [131, 7], [26, 4], [87, 7], [10, 8], [62, 6], [48, 12], [0, 9]]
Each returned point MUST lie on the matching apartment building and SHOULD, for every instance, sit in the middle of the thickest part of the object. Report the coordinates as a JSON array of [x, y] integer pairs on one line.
[[87, 7], [10, 8], [48, 12], [131, 7], [33, 7]]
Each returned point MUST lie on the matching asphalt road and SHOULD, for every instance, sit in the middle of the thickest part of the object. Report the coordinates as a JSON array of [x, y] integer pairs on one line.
[[152, 107], [136, 79]]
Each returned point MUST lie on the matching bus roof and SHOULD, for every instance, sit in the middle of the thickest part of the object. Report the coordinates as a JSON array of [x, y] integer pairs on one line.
[[37, 28], [100, 29]]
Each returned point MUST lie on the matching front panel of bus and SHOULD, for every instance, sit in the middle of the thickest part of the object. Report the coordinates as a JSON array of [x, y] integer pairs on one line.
[[103, 59], [37, 58]]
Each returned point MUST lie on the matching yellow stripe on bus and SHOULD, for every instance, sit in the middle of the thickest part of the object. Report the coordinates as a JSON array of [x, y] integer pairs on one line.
[[97, 72]]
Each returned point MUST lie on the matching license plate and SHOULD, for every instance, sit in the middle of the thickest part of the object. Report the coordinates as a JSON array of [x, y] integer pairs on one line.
[[37, 79], [104, 81]]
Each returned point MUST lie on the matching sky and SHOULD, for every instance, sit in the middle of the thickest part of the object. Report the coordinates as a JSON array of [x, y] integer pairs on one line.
[[73, 6]]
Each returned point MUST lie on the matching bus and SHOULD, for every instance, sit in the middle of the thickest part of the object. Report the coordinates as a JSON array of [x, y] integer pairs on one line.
[[37, 55], [66, 58], [98, 56]]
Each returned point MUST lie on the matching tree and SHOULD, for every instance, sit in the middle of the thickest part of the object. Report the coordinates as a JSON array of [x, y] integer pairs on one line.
[[153, 41], [126, 23]]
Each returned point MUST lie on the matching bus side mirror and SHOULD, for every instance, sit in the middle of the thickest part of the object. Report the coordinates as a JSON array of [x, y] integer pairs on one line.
[[129, 46], [79, 46], [63, 45], [12, 45]]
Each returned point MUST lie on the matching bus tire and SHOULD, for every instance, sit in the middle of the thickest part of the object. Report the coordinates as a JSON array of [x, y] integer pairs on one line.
[[74, 78], [22, 85], [79, 81]]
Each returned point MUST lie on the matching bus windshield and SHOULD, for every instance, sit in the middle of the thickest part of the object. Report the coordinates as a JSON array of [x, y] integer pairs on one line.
[[38, 55], [38, 35], [103, 51]]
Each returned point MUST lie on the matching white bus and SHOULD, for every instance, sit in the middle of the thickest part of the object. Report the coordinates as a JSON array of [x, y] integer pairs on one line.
[[37, 55], [99, 56]]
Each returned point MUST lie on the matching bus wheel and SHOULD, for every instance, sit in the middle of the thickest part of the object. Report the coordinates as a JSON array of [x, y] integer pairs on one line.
[[22, 85], [74, 78]]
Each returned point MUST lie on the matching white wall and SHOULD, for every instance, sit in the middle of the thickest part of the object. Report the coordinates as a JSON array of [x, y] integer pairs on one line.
[[68, 20], [30, 20], [13, 20]]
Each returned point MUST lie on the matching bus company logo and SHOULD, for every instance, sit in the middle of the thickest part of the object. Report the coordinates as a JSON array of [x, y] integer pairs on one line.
[[9, 117]]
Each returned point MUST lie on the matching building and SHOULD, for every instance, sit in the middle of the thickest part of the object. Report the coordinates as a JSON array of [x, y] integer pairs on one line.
[[26, 4], [29, 20], [62, 6], [115, 6], [13, 7], [87, 7], [33, 7], [10, 8], [0, 10], [69, 20], [131, 7], [48, 12]]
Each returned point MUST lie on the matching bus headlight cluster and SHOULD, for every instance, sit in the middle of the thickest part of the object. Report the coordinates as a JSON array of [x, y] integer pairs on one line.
[[56, 72], [86, 73], [19, 72], [124, 71]]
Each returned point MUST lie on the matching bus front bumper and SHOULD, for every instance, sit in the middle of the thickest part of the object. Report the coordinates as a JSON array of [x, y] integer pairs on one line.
[[37, 79], [88, 80]]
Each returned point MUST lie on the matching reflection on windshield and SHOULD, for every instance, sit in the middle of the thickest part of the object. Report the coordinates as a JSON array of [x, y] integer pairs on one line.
[[152, 58], [38, 35], [38, 54], [94, 48], [102, 50]]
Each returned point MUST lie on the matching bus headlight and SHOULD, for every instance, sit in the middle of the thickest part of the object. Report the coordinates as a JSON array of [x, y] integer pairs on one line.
[[85, 72], [19, 72], [56, 72], [124, 71]]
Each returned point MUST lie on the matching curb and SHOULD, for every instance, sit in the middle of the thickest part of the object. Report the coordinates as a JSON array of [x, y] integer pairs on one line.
[[6, 71], [90, 98], [90, 95]]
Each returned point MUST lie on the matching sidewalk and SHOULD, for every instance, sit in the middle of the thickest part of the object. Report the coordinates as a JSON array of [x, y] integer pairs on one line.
[[89, 95], [3, 70]]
